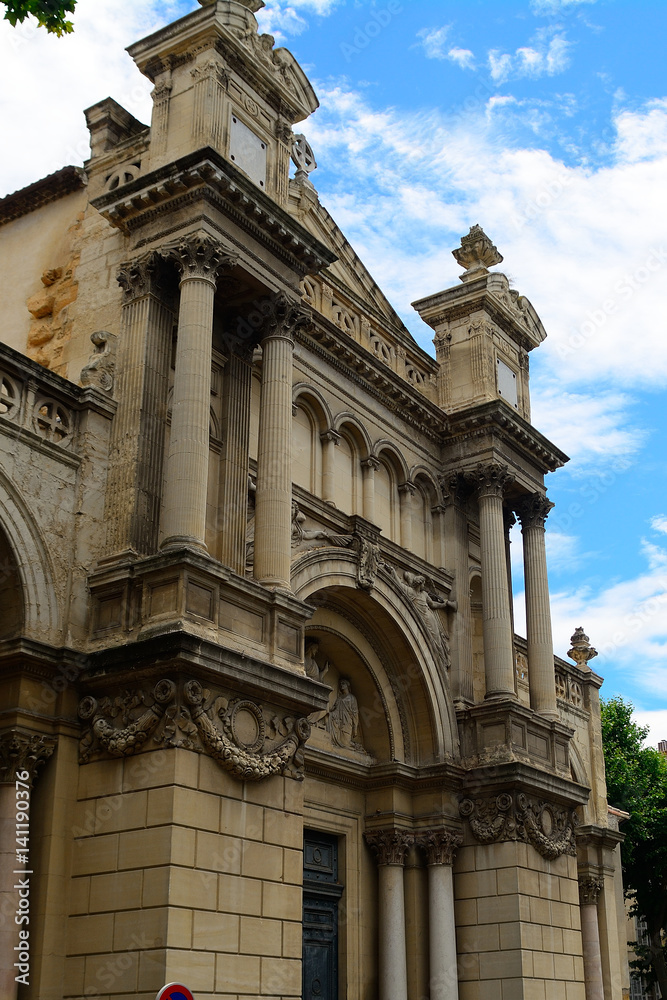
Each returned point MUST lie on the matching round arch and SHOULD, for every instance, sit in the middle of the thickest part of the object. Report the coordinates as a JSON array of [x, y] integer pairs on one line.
[[304, 393], [349, 423], [40, 615], [420, 700]]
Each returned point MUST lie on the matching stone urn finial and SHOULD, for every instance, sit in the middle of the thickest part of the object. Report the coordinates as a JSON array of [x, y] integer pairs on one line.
[[476, 253], [581, 651]]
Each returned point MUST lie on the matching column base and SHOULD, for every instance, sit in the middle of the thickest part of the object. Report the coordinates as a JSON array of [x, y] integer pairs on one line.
[[501, 696], [272, 584], [183, 541]]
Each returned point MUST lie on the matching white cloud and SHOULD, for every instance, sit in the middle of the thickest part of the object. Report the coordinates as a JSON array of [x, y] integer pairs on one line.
[[462, 57], [656, 720], [550, 57], [434, 41], [282, 18], [551, 7], [659, 523]]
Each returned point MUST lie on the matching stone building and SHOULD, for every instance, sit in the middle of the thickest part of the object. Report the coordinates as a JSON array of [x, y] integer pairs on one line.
[[259, 671]]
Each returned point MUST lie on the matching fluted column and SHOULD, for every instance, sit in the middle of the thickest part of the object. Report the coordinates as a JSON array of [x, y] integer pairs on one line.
[[329, 441], [406, 492], [369, 467], [589, 893], [233, 506], [390, 848], [440, 847], [136, 463], [273, 499], [456, 492], [533, 511], [496, 607], [21, 755], [200, 260]]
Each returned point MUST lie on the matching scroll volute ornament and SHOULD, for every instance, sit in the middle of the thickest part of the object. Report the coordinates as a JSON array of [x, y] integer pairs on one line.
[[23, 751], [492, 479], [533, 510], [440, 846], [198, 255]]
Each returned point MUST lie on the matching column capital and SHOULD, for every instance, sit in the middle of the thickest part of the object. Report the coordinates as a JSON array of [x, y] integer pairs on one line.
[[199, 256], [408, 489], [371, 463], [491, 480], [440, 846], [23, 751], [456, 489], [283, 316], [533, 510], [590, 888], [138, 277], [330, 435], [390, 845]]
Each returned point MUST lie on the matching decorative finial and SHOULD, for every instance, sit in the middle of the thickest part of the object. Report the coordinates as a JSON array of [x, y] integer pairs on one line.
[[302, 154], [476, 253], [581, 651]]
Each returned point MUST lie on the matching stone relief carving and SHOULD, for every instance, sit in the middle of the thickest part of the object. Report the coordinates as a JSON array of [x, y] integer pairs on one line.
[[570, 690], [237, 732], [301, 534], [427, 605], [23, 751], [343, 720], [101, 368], [550, 828], [369, 563]]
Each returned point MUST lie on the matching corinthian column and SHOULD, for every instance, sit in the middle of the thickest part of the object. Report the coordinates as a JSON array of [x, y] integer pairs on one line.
[[533, 511], [200, 260], [496, 606], [273, 498], [589, 893], [440, 847], [21, 755], [390, 847]]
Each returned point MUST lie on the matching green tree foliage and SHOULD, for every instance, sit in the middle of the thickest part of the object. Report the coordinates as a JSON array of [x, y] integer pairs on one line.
[[50, 14], [637, 782]]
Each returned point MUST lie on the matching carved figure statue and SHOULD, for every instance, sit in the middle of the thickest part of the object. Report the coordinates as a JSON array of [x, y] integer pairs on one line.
[[427, 606], [301, 534], [344, 718], [318, 673], [101, 368]]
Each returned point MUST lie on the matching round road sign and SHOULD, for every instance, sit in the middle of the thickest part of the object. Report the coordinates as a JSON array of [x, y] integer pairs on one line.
[[174, 991]]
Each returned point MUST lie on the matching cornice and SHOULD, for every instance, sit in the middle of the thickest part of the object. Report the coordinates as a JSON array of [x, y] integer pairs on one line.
[[477, 421], [205, 174], [360, 366], [48, 189]]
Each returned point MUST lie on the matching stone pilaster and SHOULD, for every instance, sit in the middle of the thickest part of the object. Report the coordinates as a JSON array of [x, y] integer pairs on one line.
[[590, 888], [496, 607], [161, 95], [533, 511], [233, 506], [21, 754], [329, 441], [273, 499], [369, 467], [440, 846], [138, 431], [200, 260], [390, 848], [210, 81]]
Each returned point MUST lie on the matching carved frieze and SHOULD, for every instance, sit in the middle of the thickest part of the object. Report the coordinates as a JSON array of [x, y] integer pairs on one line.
[[245, 738], [547, 826], [390, 846], [23, 751]]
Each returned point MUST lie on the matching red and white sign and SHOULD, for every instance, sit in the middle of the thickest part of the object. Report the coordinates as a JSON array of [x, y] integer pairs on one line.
[[174, 991]]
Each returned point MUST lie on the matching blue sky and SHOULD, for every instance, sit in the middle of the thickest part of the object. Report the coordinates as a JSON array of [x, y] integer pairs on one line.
[[546, 122]]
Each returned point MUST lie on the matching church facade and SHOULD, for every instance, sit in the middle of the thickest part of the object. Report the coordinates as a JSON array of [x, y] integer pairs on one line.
[[266, 729]]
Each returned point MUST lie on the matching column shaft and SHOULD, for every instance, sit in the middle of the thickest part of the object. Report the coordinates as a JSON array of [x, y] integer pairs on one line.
[[273, 500], [184, 518], [368, 471], [233, 507], [393, 975], [457, 558], [497, 615], [541, 674], [442, 933], [405, 495], [329, 442], [590, 935]]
